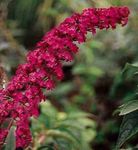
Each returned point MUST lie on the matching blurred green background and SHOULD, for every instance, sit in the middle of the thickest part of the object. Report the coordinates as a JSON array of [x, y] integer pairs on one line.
[[78, 114]]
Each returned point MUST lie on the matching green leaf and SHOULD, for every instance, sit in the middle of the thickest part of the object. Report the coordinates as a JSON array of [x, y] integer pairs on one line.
[[116, 2], [129, 107], [78, 114], [130, 69], [60, 134], [129, 127], [87, 70], [10, 141], [62, 89]]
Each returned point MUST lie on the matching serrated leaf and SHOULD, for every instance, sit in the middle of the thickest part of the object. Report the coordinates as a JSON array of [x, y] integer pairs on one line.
[[10, 141], [129, 128], [129, 107]]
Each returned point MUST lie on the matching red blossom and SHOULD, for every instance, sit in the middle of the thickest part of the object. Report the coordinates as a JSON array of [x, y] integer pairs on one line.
[[23, 93]]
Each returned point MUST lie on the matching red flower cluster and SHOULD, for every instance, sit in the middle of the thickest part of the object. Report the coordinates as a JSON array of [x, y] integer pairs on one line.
[[23, 94]]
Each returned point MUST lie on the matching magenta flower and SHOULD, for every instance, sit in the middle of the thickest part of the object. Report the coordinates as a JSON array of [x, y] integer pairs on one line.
[[23, 93]]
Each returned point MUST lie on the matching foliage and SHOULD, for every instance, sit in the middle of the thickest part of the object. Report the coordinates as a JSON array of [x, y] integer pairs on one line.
[[128, 107], [62, 130], [10, 141], [129, 126]]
